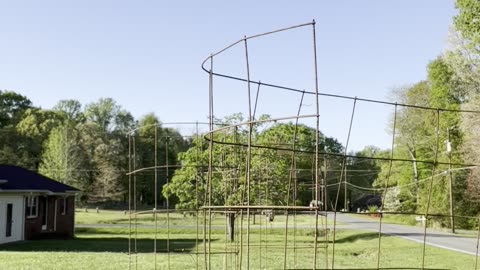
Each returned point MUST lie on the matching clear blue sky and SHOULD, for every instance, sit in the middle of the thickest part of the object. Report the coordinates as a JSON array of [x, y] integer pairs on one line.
[[147, 54]]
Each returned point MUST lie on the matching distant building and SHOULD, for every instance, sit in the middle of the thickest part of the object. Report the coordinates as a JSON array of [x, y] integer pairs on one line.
[[33, 206]]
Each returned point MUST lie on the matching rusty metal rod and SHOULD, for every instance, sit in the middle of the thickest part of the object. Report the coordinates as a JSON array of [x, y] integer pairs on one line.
[[386, 186], [343, 96], [344, 162], [437, 131]]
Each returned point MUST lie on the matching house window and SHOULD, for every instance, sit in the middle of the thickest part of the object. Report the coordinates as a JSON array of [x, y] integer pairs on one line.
[[63, 206], [31, 206]]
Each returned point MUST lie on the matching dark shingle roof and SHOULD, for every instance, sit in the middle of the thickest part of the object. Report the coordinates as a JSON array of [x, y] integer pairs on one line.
[[22, 179]]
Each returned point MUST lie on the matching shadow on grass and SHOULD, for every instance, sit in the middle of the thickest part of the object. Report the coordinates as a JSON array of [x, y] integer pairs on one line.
[[114, 244], [356, 237], [105, 230]]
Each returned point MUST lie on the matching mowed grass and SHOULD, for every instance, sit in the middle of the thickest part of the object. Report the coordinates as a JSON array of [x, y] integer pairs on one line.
[[108, 248], [179, 218]]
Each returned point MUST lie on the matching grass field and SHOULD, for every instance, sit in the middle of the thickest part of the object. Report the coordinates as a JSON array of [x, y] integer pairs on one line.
[[177, 218], [107, 248]]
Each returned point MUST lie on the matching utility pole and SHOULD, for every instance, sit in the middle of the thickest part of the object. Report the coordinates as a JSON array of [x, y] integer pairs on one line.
[[449, 153]]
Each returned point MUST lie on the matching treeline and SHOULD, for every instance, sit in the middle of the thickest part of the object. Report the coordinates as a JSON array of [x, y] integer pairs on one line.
[[278, 169], [85, 146], [453, 83], [435, 148]]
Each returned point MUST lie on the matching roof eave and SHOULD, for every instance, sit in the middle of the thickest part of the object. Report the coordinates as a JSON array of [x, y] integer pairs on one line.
[[46, 192]]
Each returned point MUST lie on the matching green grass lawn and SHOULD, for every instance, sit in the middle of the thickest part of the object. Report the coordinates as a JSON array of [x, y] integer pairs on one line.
[[108, 248], [177, 218]]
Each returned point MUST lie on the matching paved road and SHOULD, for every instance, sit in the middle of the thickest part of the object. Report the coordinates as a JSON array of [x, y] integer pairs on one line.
[[434, 238]]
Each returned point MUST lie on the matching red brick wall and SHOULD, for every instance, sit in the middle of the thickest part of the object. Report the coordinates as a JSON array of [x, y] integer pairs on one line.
[[65, 223], [33, 226]]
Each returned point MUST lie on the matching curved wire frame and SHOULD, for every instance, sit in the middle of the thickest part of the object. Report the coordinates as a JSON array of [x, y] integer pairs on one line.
[[309, 237]]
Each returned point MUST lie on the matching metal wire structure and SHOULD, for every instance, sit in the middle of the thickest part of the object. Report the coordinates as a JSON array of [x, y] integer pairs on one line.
[[247, 215]]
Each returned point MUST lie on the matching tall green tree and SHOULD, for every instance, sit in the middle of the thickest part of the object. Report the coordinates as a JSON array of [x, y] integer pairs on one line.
[[70, 109], [464, 59], [169, 143], [63, 158], [12, 107], [15, 148], [103, 113], [278, 176], [468, 22]]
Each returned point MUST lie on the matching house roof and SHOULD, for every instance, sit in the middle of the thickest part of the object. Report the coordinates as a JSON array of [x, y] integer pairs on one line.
[[22, 180]]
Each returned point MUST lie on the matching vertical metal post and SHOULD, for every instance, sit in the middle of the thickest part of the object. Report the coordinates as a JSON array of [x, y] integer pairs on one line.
[[449, 152], [290, 180], [437, 131], [249, 151], [135, 201], [168, 201], [129, 202], [196, 192], [317, 134], [325, 205], [325, 184], [345, 203], [340, 182], [386, 185], [478, 242], [208, 190], [156, 196]]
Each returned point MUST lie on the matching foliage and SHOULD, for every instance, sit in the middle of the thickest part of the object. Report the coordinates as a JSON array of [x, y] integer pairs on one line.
[[392, 200], [276, 176], [422, 135], [468, 22], [84, 147], [64, 159], [70, 109], [373, 208], [12, 106]]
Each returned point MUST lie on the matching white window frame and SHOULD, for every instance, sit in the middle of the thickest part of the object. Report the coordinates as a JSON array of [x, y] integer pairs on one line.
[[32, 202]]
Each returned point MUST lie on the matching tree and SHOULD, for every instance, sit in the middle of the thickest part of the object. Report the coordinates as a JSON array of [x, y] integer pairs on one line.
[[278, 176], [15, 148], [468, 22], [71, 110], [12, 106], [361, 172], [110, 161], [63, 158], [464, 59], [37, 123], [413, 141], [421, 135], [103, 113], [169, 143]]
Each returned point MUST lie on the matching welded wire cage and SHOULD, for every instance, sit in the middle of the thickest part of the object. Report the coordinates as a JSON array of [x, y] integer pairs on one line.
[[269, 192]]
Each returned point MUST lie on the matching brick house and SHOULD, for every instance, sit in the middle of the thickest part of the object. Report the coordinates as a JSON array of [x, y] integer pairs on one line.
[[33, 206]]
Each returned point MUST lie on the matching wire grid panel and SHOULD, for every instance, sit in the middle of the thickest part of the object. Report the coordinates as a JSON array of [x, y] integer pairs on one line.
[[270, 192]]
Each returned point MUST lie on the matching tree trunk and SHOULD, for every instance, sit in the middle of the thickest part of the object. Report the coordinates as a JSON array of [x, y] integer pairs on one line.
[[231, 226], [415, 174]]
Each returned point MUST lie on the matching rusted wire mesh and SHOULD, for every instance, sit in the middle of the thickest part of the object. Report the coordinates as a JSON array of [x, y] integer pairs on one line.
[[249, 214]]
